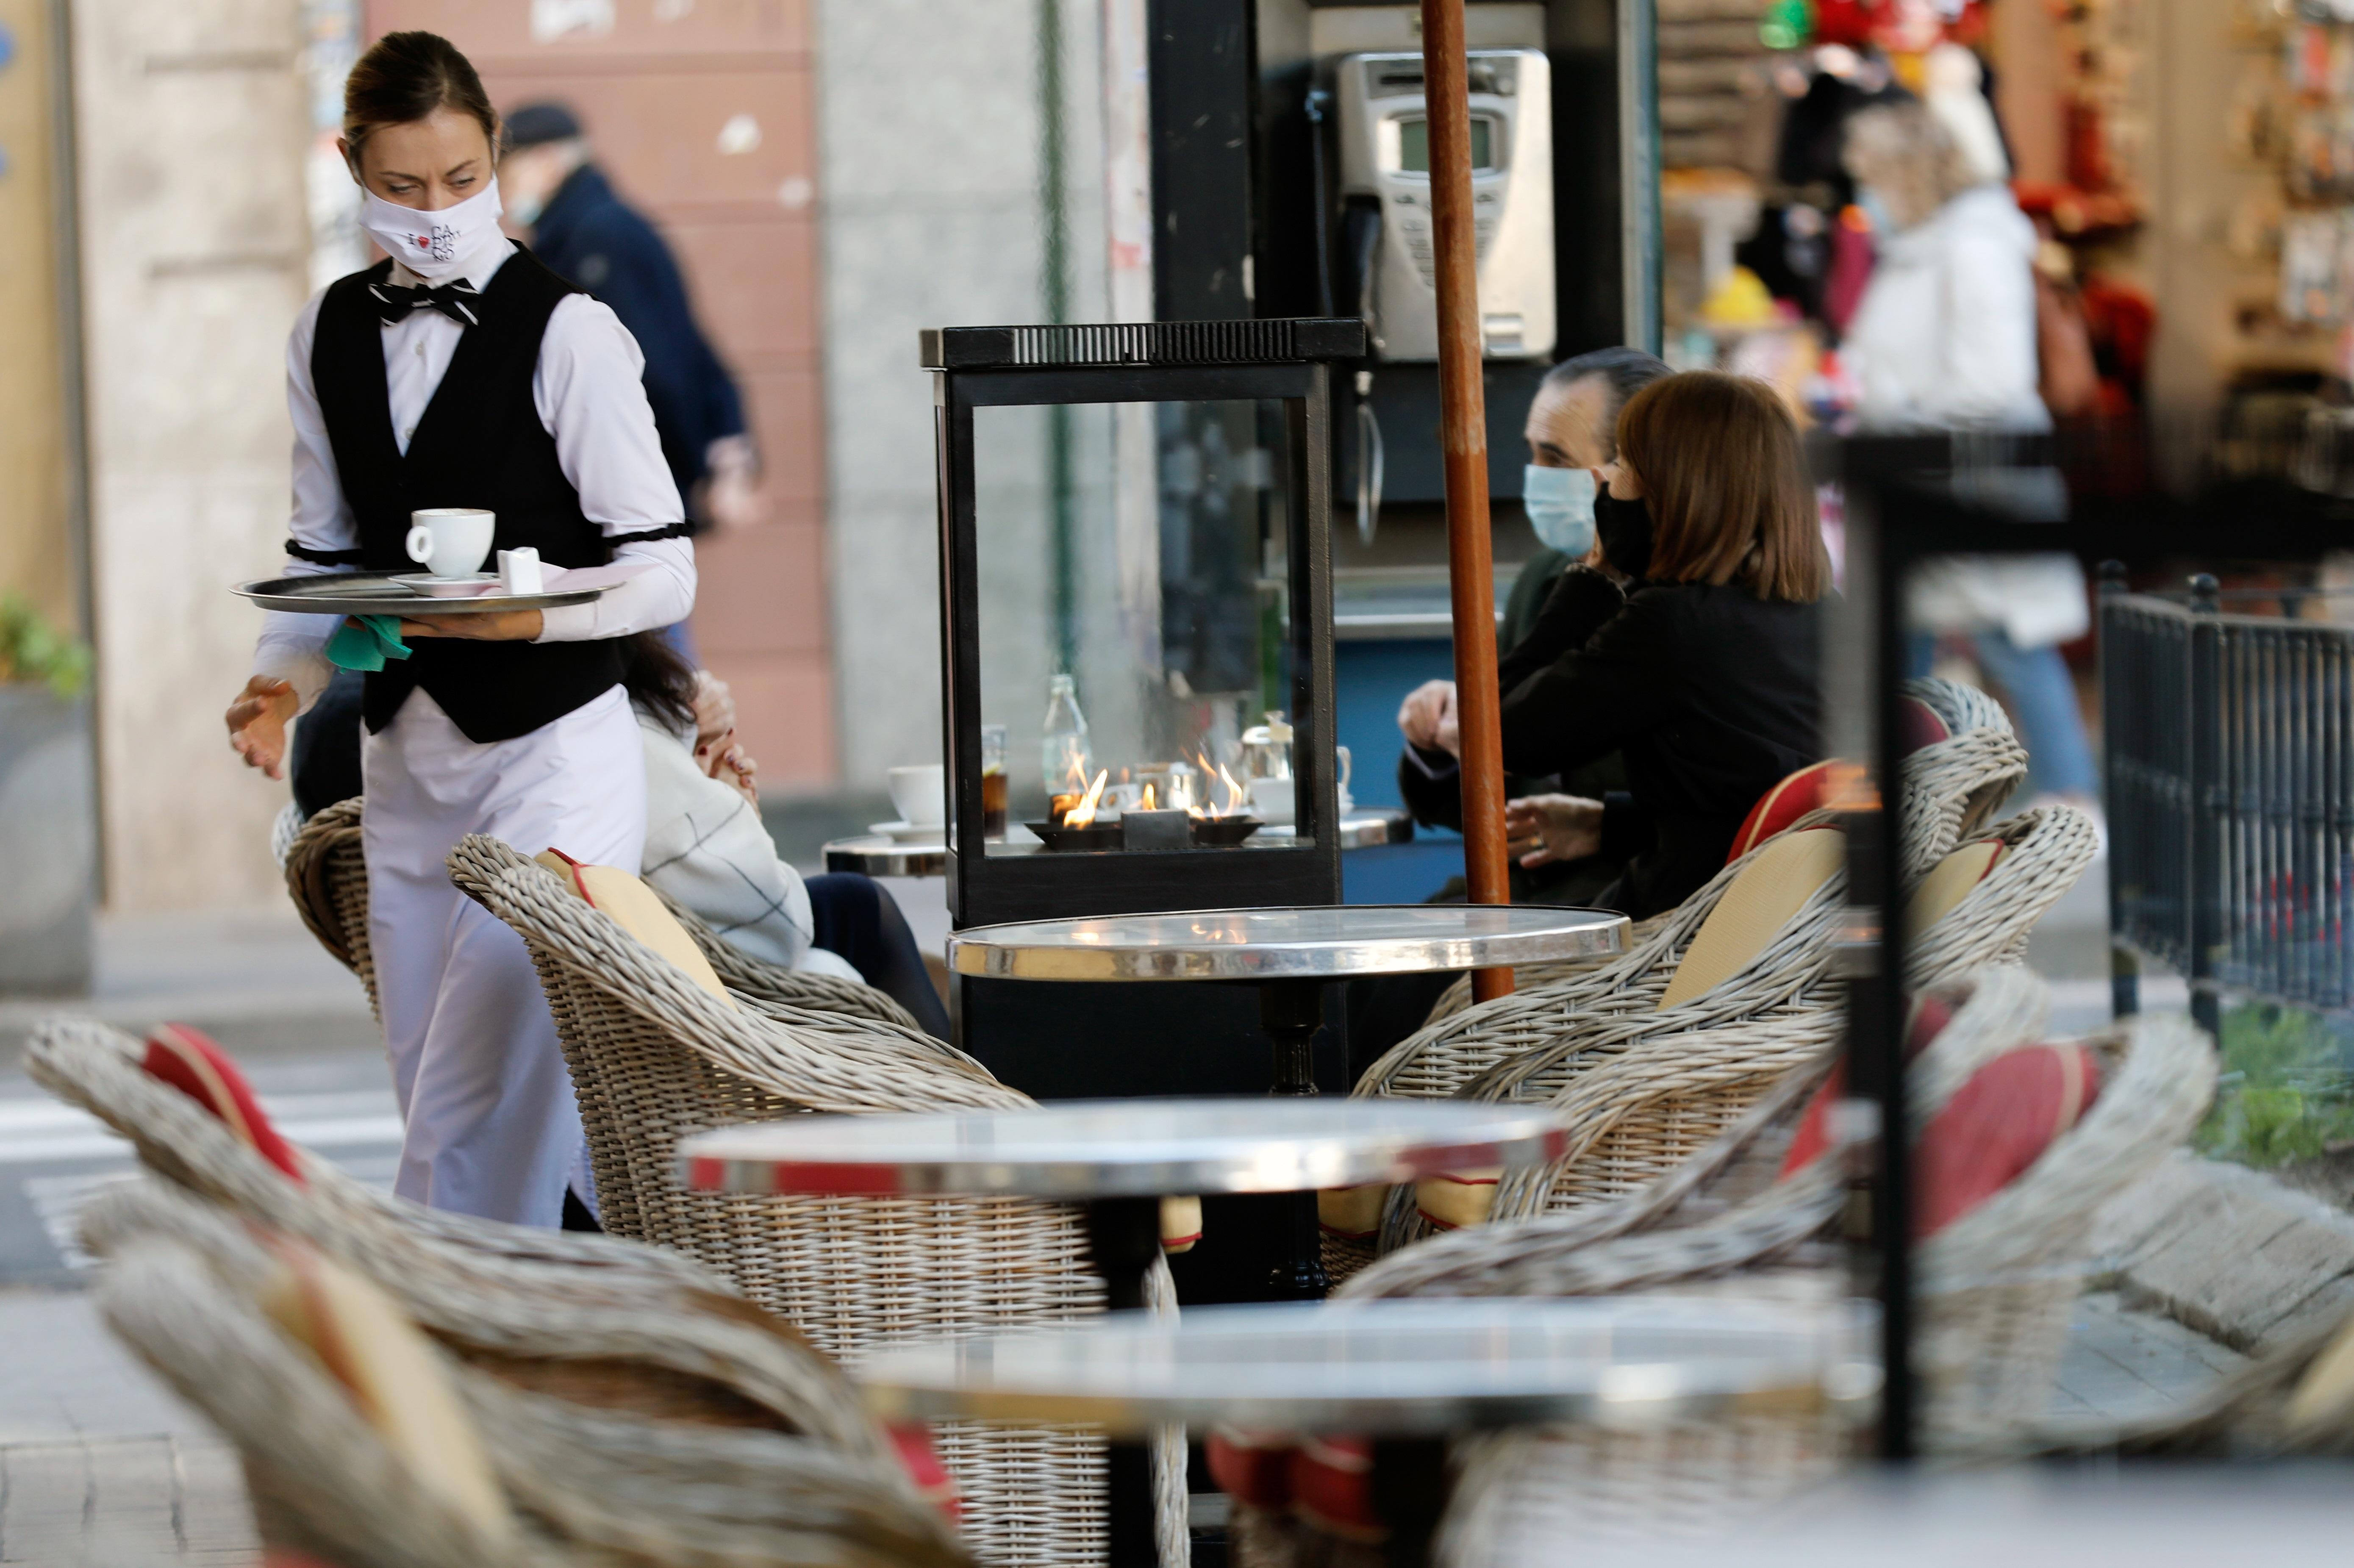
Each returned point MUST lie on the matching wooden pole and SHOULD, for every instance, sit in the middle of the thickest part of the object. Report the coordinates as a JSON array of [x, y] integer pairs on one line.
[[1463, 441]]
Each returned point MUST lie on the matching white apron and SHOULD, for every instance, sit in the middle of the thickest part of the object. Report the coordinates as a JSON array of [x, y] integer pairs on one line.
[[491, 1125]]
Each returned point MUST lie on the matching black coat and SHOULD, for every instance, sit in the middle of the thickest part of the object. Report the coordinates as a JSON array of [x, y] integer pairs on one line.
[[590, 235], [1710, 693], [1540, 623]]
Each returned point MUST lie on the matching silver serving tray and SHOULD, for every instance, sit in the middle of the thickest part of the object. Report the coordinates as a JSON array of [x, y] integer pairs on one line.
[[375, 593]]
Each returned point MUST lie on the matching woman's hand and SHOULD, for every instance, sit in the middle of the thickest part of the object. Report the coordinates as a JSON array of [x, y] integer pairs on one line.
[[257, 724], [498, 626], [714, 709], [1427, 718], [725, 758], [1545, 828]]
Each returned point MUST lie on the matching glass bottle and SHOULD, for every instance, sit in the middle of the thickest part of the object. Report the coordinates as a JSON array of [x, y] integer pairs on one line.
[[1064, 758]]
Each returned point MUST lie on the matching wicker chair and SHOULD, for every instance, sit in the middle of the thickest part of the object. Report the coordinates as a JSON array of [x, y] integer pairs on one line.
[[667, 1354], [1996, 1287], [1998, 1281], [327, 877], [1643, 1092], [1952, 788], [654, 1058], [586, 1488], [637, 1327]]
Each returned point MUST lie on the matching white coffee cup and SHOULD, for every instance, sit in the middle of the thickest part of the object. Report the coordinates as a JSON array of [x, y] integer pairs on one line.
[[920, 794], [1271, 801], [451, 541]]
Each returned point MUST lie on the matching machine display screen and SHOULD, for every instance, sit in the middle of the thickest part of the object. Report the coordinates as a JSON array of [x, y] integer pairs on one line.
[[1413, 144]]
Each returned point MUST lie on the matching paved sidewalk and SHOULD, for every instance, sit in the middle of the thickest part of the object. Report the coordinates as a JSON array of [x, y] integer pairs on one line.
[[99, 1462]]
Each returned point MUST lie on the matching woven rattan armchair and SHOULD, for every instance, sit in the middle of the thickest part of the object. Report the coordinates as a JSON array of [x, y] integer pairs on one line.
[[586, 1488], [1995, 1289], [641, 1347], [327, 877], [1999, 1280], [1643, 1092], [654, 1058]]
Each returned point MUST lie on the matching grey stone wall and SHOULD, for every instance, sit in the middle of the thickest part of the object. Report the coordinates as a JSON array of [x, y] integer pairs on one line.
[[928, 139], [191, 126]]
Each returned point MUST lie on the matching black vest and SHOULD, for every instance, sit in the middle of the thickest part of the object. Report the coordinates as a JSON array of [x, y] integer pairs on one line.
[[479, 443]]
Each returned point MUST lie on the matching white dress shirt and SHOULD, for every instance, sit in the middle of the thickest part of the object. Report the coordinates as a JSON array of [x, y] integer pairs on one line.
[[591, 398]]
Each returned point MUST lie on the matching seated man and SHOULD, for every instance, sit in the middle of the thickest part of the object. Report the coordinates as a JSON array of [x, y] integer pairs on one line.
[[1572, 430]]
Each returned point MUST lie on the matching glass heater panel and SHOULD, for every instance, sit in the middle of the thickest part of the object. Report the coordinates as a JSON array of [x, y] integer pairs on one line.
[[1141, 548]]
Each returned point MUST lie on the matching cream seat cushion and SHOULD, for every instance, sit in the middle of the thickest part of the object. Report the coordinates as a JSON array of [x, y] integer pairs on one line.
[[1781, 876], [395, 1378], [1949, 882], [636, 909]]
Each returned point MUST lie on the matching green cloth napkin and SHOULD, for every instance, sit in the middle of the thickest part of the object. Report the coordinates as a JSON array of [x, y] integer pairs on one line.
[[365, 641]]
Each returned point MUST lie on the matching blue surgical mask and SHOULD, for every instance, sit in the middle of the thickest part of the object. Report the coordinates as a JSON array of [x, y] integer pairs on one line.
[[1560, 504]]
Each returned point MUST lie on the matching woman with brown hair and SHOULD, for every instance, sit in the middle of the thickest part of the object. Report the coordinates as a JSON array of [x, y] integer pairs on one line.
[[459, 372], [1701, 667]]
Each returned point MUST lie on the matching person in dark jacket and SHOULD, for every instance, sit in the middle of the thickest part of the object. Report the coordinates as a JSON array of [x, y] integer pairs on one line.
[[583, 231], [1691, 654], [1571, 433], [1704, 671]]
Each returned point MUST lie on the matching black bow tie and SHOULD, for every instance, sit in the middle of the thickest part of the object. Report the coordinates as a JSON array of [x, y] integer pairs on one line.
[[459, 301]]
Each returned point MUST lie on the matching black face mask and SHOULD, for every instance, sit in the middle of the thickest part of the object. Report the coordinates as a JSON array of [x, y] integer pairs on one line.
[[1625, 529]]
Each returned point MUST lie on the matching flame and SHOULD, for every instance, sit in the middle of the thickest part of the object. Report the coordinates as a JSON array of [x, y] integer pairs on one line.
[[1237, 802], [1083, 815], [1145, 804]]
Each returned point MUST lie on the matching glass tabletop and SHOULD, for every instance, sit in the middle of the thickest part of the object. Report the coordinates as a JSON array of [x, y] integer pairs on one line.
[[1330, 941], [1109, 1149], [1398, 1368]]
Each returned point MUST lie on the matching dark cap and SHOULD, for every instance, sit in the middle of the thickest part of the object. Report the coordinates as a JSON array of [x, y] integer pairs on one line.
[[536, 124]]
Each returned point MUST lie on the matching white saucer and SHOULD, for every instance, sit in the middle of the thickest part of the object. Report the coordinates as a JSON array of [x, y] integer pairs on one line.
[[465, 584], [910, 832]]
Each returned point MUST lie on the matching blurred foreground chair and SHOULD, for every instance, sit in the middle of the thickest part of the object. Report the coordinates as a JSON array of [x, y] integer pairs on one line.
[[327, 878], [655, 1057], [364, 1447], [598, 1319], [1998, 1278], [1642, 1092], [1759, 1214]]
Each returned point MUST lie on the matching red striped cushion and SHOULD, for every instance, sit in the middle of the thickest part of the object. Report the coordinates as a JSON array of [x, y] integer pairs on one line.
[[187, 1059]]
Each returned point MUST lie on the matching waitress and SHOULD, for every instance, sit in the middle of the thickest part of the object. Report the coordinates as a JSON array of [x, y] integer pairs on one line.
[[464, 372]]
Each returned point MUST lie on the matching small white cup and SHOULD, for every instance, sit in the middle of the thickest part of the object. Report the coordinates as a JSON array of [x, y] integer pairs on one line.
[[1272, 803], [451, 541], [1347, 802], [920, 794]]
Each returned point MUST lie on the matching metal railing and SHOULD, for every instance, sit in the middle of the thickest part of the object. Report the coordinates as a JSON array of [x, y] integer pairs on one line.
[[2230, 757]]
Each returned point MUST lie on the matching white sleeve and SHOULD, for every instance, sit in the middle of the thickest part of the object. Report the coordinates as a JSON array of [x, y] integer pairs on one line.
[[706, 848], [293, 648], [592, 398]]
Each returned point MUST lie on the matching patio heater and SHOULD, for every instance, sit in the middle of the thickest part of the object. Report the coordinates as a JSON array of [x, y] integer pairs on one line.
[[1134, 529]]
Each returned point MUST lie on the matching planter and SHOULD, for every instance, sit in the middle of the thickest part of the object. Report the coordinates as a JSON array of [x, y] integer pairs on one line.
[[49, 842]]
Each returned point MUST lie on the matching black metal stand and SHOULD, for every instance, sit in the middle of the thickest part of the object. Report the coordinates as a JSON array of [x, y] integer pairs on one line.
[[1292, 1010], [1410, 1489], [1125, 1236]]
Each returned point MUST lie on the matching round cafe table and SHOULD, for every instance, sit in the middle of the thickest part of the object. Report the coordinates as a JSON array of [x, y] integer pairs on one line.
[[1406, 1373], [1291, 955], [1122, 1157]]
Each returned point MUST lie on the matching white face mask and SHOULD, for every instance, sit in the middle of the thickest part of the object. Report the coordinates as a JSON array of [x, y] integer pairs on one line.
[[434, 245], [1560, 505]]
